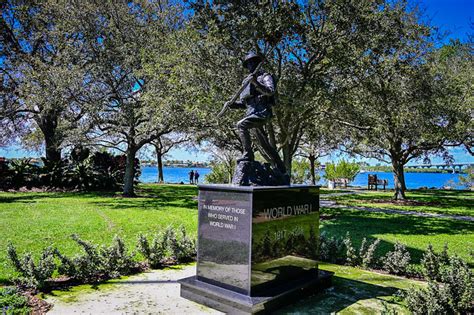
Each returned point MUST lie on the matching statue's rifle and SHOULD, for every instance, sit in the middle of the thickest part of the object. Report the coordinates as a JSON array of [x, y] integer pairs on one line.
[[243, 86]]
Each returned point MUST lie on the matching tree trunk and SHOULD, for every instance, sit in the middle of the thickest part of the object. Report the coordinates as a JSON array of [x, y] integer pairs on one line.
[[52, 150], [128, 190], [312, 163], [399, 179], [287, 158], [48, 126], [159, 165]]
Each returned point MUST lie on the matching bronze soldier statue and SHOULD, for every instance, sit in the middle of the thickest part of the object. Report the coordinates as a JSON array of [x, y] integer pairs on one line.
[[258, 97]]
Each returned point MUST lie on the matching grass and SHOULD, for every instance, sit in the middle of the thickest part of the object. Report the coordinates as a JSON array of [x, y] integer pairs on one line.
[[451, 202], [32, 221], [415, 232]]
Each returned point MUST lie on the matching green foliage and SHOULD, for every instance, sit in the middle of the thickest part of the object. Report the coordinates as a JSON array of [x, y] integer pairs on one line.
[[167, 248], [33, 275], [468, 179], [331, 249], [367, 254], [342, 170], [300, 171], [397, 261], [221, 173], [433, 263], [97, 263], [450, 287], [351, 254], [99, 171], [183, 248], [13, 302], [155, 253]]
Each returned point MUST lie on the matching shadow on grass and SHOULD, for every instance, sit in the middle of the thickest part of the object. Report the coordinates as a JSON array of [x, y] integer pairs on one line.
[[344, 293], [149, 197], [32, 197], [154, 197], [442, 199]]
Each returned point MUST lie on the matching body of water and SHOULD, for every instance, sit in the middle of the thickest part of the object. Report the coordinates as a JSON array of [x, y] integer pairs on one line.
[[171, 174], [413, 180]]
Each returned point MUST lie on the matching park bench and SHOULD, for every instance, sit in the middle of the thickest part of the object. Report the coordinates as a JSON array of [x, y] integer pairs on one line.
[[341, 182], [373, 182]]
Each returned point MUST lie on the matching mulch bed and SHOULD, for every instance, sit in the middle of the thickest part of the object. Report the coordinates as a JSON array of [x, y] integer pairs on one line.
[[38, 306]]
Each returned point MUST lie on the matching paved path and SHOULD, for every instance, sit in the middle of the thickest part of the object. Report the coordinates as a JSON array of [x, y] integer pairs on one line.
[[333, 204], [154, 292]]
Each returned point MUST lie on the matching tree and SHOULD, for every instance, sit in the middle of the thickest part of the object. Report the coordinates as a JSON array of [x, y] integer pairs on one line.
[[342, 170], [162, 146], [311, 42], [44, 70], [409, 107], [135, 109], [320, 137]]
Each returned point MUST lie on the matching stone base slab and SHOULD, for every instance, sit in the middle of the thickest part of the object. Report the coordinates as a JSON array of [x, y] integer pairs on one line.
[[235, 303]]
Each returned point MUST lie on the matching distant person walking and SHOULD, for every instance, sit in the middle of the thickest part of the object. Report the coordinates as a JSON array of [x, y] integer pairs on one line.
[[191, 177], [196, 177]]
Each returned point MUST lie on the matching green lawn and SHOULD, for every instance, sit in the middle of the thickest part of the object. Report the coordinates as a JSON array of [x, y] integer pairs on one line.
[[452, 202], [33, 221]]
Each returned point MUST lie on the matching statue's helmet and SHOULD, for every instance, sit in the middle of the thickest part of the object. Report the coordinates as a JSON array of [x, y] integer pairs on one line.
[[252, 56]]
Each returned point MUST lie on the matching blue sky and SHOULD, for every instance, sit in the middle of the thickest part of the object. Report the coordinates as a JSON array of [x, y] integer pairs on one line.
[[451, 16]]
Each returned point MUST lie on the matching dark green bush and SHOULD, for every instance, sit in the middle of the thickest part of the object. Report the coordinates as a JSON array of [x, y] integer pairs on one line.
[[183, 248], [331, 249], [83, 171], [167, 248], [98, 263], [13, 302], [453, 294], [351, 255], [432, 263], [33, 275], [367, 253], [154, 254], [397, 261]]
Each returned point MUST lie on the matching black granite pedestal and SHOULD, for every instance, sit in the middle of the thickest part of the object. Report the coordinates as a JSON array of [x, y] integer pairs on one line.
[[254, 248]]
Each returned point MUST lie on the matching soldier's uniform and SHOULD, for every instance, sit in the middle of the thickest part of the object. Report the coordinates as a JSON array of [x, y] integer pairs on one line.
[[258, 97]]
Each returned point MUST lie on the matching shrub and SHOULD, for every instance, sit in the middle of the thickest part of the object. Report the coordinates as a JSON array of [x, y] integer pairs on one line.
[[221, 172], [397, 261], [367, 254], [167, 248], [343, 169], [454, 294], [301, 172], [33, 275], [97, 263], [183, 249], [155, 253], [13, 302], [331, 249], [432, 300], [351, 255], [459, 283]]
